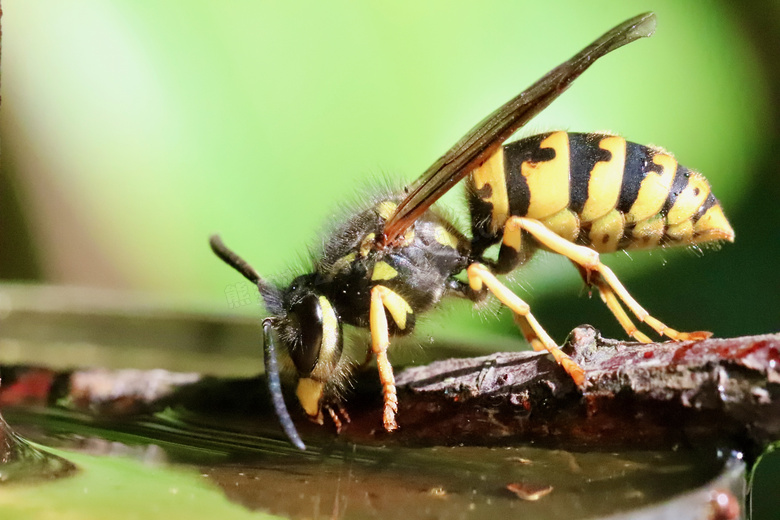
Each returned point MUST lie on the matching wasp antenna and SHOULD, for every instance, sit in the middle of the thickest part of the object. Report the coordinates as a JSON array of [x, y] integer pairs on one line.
[[275, 386], [236, 262]]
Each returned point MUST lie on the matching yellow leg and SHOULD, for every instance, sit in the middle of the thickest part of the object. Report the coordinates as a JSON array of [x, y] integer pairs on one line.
[[528, 332], [479, 275], [380, 340], [612, 303], [590, 262]]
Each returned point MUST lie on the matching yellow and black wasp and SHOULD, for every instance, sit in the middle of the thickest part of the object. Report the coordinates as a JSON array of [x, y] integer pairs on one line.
[[574, 194]]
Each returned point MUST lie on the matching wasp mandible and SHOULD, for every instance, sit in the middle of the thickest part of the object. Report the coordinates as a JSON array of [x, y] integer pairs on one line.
[[574, 194]]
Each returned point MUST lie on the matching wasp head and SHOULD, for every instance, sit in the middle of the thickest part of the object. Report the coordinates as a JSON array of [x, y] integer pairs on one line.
[[309, 329]]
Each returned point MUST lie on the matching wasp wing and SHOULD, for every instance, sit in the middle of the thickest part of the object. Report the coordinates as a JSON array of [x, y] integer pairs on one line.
[[483, 140]]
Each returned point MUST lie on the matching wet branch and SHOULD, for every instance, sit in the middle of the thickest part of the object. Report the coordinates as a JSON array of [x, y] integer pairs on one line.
[[640, 395]]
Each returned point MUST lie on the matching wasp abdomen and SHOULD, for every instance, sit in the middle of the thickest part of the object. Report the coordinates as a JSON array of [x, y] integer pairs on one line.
[[596, 190]]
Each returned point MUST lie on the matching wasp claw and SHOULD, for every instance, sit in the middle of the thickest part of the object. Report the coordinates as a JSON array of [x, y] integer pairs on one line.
[[698, 335]]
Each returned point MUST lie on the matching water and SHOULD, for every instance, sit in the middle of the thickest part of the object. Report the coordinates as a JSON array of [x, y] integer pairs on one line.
[[342, 480]]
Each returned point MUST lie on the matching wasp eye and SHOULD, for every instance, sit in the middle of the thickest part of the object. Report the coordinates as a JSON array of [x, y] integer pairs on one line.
[[307, 317]]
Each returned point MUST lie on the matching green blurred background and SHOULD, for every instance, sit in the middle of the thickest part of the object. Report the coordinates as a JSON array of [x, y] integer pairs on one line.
[[131, 130]]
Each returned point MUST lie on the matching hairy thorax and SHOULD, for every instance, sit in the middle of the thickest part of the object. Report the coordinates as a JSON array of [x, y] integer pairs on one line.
[[416, 267]]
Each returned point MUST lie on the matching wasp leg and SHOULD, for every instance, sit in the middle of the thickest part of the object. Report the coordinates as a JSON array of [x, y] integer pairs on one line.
[[610, 299], [382, 297], [528, 332], [463, 290], [336, 414], [480, 276], [589, 260], [613, 304]]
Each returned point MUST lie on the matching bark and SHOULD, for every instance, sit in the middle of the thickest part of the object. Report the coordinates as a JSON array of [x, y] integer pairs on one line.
[[636, 395]]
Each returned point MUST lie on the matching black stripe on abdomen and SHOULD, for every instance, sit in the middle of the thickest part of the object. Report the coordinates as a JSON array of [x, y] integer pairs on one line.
[[515, 154], [707, 204], [678, 185], [584, 153], [639, 161]]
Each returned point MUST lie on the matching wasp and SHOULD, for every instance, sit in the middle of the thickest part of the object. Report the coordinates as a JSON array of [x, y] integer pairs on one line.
[[578, 195]]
